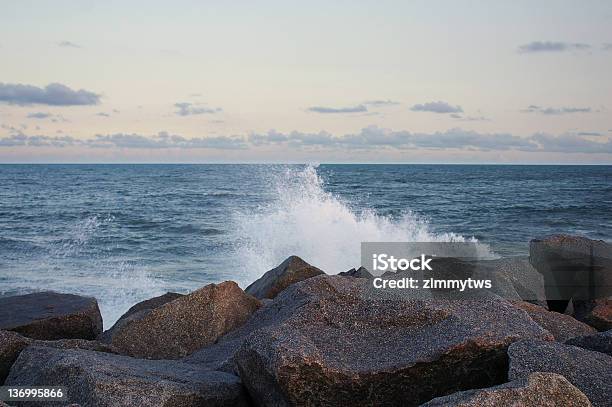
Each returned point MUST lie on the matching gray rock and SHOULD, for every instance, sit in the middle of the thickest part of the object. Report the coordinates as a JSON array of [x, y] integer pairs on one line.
[[321, 342], [537, 390], [524, 278], [106, 380], [599, 342], [11, 344], [361, 272], [289, 272], [184, 325], [50, 315], [587, 370], [563, 327], [573, 267]]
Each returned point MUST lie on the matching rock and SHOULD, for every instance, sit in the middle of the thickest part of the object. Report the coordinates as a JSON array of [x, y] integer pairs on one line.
[[599, 342], [11, 344], [102, 379], [322, 342], [289, 272], [598, 314], [575, 268], [524, 278], [50, 315], [184, 325], [151, 303], [587, 370], [361, 272], [537, 390], [563, 327]]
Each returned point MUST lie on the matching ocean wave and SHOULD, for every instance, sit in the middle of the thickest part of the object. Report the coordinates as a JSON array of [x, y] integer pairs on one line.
[[306, 220]]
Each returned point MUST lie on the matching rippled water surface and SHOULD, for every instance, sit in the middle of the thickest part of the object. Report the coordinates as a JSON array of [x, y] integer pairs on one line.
[[123, 233]]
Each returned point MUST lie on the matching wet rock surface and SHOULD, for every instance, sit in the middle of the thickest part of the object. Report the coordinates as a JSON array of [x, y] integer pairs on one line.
[[105, 380], [183, 325], [536, 390], [322, 343], [50, 315], [289, 272], [587, 370]]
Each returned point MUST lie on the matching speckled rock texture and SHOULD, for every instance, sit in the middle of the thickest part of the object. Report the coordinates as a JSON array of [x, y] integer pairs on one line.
[[12, 343], [50, 315], [536, 390], [598, 314], [106, 380], [151, 303], [322, 342], [599, 342], [563, 327], [289, 272], [184, 325], [587, 370]]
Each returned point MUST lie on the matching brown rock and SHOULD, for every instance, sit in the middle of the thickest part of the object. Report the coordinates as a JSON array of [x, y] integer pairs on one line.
[[184, 325], [289, 272], [588, 371], [11, 344], [106, 380], [598, 314], [151, 303], [322, 342], [50, 315], [537, 390], [563, 327]]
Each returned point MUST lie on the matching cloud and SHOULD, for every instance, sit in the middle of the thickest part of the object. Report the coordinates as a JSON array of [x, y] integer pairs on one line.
[[381, 103], [607, 46], [367, 139], [437, 107], [555, 111], [331, 110], [552, 46], [68, 44], [39, 115], [189, 109], [103, 114], [590, 134], [54, 94]]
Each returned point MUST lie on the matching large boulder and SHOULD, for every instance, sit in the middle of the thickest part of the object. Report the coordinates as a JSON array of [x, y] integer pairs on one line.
[[563, 327], [536, 390], [102, 379], [11, 344], [599, 342], [520, 274], [587, 370], [325, 341], [598, 314], [183, 325], [573, 267], [151, 303], [50, 315], [289, 272]]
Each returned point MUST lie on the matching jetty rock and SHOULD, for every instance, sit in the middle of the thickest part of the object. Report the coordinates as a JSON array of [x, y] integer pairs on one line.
[[49, 315], [289, 272], [107, 380], [536, 390], [183, 325], [561, 326], [599, 342]]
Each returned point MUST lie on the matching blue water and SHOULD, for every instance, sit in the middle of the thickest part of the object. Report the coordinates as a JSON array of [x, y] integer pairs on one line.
[[123, 233]]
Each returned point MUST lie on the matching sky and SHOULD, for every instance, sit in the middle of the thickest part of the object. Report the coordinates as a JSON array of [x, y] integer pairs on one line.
[[516, 82]]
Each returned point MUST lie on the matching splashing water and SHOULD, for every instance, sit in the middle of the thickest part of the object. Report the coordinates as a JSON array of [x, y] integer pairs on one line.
[[318, 226]]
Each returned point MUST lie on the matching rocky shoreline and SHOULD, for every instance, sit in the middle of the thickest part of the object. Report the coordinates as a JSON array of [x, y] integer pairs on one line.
[[300, 337]]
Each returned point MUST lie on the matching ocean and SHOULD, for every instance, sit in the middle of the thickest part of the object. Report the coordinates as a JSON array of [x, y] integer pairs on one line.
[[124, 233]]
